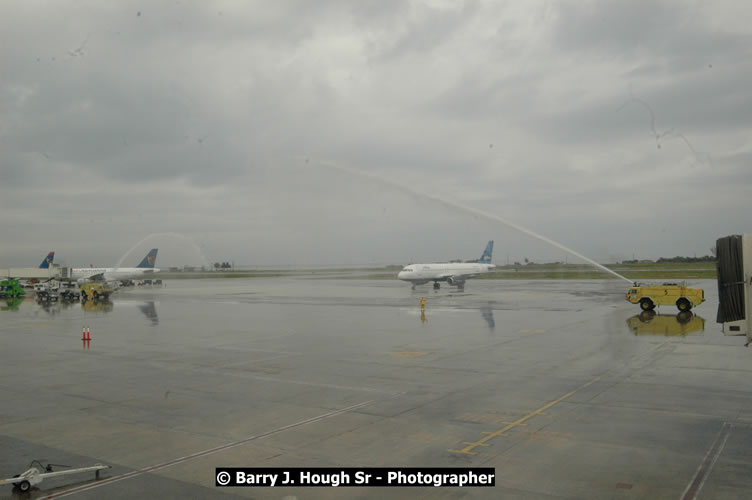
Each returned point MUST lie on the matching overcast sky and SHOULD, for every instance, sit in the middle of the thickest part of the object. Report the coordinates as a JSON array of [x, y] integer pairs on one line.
[[219, 131]]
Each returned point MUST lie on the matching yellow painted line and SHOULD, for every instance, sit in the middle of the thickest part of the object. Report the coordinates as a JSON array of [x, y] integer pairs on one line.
[[408, 354], [532, 331], [45, 325], [464, 452], [505, 423], [482, 442], [468, 450]]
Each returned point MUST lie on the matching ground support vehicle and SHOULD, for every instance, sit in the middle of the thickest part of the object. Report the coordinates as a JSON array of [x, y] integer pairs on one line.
[[678, 294], [10, 288], [96, 290], [37, 472], [69, 296]]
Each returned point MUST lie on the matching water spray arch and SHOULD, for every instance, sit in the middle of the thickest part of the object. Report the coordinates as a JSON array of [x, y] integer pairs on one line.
[[469, 210]]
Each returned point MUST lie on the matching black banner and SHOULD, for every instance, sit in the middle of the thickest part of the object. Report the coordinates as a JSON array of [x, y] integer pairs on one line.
[[333, 477]]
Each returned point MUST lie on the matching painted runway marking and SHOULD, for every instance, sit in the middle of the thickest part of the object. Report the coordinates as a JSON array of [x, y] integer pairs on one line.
[[468, 450], [215, 371], [416, 354], [204, 453], [707, 464], [330, 386]]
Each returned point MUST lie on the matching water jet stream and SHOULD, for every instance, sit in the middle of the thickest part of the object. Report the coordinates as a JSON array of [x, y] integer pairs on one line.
[[178, 235], [470, 210]]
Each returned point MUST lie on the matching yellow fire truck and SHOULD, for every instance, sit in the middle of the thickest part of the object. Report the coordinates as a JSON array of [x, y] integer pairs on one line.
[[649, 296], [96, 290]]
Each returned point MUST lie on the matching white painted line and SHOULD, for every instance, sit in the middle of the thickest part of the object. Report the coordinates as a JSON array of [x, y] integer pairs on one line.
[[204, 453], [707, 464]]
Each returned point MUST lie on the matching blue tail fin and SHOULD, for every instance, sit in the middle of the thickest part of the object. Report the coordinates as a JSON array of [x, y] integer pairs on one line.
[[47, 262], [487, 253], [150, 259]]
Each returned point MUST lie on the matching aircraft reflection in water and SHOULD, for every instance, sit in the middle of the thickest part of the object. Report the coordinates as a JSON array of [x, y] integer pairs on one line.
[[150, 311], [148, 308], [485, 310], [668, 325]]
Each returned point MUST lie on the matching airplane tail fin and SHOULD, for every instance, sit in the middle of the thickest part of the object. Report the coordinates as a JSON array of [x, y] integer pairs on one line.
[[487, 253], [47, 262], [149, 260]]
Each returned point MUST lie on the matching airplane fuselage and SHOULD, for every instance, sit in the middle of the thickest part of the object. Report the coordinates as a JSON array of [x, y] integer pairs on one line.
[[111, 273], [423, 273]]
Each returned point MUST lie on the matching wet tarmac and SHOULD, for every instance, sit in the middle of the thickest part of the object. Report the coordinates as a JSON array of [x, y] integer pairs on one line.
[[562, 386]]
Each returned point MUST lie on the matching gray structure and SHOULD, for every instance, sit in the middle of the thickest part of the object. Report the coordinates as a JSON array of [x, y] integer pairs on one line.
[[35, 273]]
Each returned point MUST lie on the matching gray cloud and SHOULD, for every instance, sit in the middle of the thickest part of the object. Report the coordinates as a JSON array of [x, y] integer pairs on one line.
[[211, 120]]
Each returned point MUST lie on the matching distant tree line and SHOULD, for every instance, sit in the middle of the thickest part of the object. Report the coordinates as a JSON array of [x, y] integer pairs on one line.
[[677, 259], [705, 258]]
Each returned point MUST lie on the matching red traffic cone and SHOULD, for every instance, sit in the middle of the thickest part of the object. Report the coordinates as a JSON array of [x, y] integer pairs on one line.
[[83, 333], [88, 333]]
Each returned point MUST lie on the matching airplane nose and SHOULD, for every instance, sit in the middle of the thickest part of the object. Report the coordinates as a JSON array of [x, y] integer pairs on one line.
[[401, 275]]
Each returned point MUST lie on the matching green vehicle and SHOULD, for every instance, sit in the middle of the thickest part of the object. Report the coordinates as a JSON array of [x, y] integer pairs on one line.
[[10, 288]]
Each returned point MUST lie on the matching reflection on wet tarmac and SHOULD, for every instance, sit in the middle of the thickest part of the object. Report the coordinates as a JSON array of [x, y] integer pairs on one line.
[[238, 359], [148, 308], [11, 303], [150, 311], [56, 306], [668, 325], [92, 306], [487, 312]]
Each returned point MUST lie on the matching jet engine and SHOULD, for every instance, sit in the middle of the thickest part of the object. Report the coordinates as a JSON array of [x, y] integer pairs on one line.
[[456, 281]]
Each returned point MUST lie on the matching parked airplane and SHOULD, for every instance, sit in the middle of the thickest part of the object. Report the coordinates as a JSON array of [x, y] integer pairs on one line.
[[117, 273], [453, 273], [47, 262]]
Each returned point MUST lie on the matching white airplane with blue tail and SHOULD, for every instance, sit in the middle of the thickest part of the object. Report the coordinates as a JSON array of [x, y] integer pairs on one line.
[[453, 273]]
